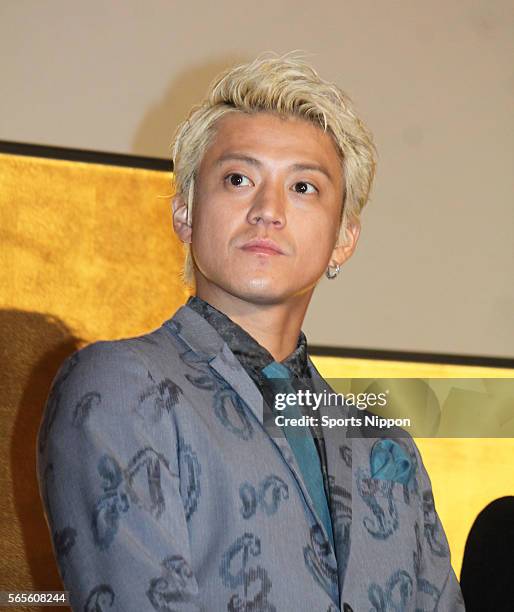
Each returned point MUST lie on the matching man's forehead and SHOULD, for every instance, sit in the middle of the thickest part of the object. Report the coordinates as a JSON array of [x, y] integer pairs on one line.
[[242, 135]]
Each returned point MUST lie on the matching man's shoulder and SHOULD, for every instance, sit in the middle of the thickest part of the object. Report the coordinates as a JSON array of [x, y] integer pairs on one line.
[[153, 354], [119, 391]]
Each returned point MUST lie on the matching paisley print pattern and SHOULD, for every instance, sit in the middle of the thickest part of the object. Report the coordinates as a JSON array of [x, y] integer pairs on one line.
[[319, 560], [190, 471], [346, 455], [64, 541], [139, 484], [267, 496], [251, 581], [143, 480], [111, 505], [395, 596], [174, 587], [100, 599], [158, 398], [341, 513], [230, 410], [229, 407], [434, 534], [428, 593], [378, 496], [86, 403]]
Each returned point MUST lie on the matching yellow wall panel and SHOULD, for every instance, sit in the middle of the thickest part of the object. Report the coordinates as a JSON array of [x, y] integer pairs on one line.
[[89, 244]]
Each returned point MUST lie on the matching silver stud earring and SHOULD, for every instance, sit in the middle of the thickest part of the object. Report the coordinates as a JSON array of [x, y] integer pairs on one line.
[[329, 274]]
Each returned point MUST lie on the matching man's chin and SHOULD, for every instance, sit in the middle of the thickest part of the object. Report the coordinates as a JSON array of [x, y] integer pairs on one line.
[[259, 291], [255, 289]]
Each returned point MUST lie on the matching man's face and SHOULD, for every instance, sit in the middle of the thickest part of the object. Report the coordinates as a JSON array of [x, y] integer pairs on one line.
[[264, 177]]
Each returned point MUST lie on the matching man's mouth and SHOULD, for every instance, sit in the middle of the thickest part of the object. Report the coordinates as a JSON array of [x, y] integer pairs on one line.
[[264, 246]]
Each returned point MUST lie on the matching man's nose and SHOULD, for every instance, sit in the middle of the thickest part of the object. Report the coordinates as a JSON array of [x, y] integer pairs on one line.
[[269, 205]]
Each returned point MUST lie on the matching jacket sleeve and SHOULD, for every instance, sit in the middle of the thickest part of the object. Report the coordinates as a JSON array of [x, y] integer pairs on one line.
[[436, 580], [109, 478]]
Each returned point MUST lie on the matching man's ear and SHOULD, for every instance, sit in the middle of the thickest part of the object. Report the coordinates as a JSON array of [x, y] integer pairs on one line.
[[182, 228], [344, 251]]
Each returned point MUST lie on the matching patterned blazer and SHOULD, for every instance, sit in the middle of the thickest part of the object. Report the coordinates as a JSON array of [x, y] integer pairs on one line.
[[163, 491]]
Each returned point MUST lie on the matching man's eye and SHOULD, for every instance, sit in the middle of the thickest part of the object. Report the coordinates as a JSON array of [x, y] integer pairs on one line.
[[238, 180], [303, 187]]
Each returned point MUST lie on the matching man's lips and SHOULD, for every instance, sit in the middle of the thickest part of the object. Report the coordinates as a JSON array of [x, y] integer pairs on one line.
[[263, 250], [263, 245]]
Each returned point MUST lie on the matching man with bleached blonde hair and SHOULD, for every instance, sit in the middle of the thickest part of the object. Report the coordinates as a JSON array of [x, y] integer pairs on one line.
[[172, 476]]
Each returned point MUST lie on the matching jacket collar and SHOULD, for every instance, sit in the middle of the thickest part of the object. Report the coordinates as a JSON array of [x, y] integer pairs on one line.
[[202, 338], [250, 354]]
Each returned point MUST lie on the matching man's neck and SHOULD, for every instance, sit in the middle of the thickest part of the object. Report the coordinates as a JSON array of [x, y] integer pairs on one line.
[[276, 327]]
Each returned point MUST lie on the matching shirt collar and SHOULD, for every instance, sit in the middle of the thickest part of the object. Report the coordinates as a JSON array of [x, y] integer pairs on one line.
[[252, 355]]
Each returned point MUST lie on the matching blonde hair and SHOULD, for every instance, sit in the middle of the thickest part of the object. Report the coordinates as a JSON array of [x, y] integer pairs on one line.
[[286, 86]]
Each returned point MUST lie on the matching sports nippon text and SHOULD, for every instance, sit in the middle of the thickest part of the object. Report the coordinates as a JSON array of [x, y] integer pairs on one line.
[[307, 400]]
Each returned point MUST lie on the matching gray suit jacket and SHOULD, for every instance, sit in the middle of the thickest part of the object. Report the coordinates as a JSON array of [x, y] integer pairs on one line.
[[163, 491]]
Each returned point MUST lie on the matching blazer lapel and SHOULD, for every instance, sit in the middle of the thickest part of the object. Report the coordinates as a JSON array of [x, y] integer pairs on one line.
[[226, 364], [202, 338]]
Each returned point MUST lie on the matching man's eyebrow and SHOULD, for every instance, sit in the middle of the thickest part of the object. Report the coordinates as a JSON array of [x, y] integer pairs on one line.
[[312, 167], [299, 167], [238, 157]]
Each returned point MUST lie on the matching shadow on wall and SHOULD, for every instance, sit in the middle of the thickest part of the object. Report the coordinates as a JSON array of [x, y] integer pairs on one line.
[[155, 132], [34, 345]]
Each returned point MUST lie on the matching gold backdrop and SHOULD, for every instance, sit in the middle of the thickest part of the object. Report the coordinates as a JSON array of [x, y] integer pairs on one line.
[[88, 252]]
